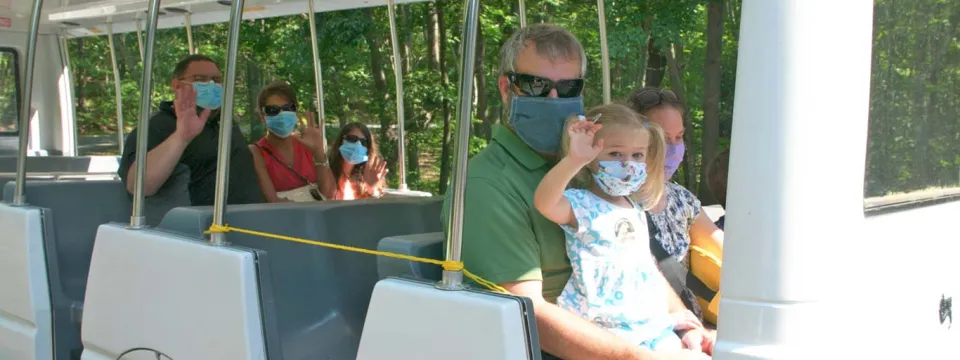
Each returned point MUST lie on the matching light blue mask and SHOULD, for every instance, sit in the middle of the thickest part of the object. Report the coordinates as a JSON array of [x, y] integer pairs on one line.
[[209, 94], [538, 121], [353, 152], [282, 124], [620, 178]]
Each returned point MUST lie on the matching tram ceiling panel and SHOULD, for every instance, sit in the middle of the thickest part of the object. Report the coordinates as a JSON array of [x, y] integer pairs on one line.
[[89, 17]]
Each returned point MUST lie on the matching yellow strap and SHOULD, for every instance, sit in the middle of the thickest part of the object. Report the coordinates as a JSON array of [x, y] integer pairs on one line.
[[447, 265]]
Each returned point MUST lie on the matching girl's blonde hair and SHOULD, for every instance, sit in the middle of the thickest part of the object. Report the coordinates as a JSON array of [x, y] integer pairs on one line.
[[616, 117]]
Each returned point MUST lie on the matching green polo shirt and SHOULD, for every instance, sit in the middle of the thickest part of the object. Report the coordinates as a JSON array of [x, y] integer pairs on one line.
[[505, 238]]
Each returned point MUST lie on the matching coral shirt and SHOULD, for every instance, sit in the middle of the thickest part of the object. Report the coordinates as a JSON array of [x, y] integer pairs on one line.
[[281, 175]]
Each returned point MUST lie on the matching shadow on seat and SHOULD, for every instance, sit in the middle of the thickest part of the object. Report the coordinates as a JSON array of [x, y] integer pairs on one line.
[[72, 211], [429, 245], [320, 295]]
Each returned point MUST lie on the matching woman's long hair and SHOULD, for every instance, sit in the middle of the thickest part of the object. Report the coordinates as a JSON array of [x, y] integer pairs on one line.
[[336, 159]]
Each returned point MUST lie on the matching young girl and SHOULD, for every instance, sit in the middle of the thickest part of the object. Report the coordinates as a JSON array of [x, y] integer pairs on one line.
[[609, 156]]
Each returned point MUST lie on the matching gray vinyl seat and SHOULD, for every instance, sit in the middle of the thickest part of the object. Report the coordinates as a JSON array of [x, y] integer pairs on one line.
[[314, 299], [72, 211], [429, 245], [8, 163]]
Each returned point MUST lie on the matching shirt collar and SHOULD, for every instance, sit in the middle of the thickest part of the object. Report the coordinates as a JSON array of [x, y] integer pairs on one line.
[[517, 148]]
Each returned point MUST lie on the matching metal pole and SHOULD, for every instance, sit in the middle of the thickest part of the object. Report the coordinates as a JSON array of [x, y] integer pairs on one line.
[[24, 127], [226, 122], [137, 219], [604, 51], [140, 39], [401, 121], [453, 280], [186, 24], [317, 73], [116, 87], [523, 14]]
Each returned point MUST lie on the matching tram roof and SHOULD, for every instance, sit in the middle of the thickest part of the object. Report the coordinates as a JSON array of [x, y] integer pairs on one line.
[[79, 18]]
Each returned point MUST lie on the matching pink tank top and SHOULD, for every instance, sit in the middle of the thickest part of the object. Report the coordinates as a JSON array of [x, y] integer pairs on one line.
[[282, 176]]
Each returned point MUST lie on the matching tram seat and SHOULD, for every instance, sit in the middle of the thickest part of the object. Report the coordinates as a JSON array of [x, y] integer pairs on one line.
[[314, 298], [429, 245], [107, 163]]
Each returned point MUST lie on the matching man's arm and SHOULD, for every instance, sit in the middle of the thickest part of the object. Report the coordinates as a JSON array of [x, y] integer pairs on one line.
[[569, 336], [160, 162]]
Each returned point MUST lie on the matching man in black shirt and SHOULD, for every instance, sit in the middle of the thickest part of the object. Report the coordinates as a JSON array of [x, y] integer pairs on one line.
[[187, 131]]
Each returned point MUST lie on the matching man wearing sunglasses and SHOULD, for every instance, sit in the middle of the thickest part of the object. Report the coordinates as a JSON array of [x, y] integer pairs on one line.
[[505, 239], [187, 131]]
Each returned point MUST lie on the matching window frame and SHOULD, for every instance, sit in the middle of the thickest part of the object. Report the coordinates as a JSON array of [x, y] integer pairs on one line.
[[16, 81]]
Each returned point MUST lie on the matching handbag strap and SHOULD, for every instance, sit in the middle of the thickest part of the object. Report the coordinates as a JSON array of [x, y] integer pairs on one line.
[[302, 178]]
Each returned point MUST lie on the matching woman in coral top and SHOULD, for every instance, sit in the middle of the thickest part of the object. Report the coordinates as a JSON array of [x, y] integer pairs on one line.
[[358, 170], [290, 167]]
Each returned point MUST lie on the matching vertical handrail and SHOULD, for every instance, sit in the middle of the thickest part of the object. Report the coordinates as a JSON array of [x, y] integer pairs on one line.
[[140, 38], [453, 280], [226, 122], [187, 24], [398, 78], [317, 73], [25, 99], [523, 14], [117, 93], [604, 51], [137, 219]]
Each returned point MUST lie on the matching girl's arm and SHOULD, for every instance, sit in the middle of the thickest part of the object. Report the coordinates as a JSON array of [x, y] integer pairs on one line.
[[549, 199], [706, 235]]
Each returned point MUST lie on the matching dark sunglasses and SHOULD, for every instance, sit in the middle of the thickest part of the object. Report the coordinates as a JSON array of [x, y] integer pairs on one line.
[[652, 97], [532, 85], [274, 110], [354, 138]]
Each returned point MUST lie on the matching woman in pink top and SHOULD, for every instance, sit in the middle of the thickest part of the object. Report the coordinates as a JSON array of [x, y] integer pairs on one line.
[[284, 160], [358, 170]]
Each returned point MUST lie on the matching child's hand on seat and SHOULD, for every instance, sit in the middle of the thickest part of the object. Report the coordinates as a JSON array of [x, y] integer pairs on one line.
[[699, 340]]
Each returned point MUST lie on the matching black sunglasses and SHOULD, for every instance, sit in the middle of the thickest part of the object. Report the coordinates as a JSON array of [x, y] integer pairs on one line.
[[354, 138], [649, 98], [532, 85], [274, 110]]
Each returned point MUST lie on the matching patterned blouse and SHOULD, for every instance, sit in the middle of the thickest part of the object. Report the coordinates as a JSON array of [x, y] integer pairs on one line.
[[674, 224]]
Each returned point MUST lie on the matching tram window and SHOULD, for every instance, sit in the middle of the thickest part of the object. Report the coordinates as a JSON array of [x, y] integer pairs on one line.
[[913, 151], [9, 90]]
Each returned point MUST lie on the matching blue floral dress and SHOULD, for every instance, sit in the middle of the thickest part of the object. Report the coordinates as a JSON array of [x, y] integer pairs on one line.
[[672, 233]]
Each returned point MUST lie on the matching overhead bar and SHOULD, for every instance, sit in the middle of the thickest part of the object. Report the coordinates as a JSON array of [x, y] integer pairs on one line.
[[317, 72], [401, 120], [117, 93], [186, 24], [226, 122], [523, 14], [604, 51], [137, 219], [25, 113], [453, 280]]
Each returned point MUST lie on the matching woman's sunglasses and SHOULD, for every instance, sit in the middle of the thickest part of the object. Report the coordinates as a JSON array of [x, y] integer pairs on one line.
[[532, 85], [652, 97], [354, 138], [274, 110]]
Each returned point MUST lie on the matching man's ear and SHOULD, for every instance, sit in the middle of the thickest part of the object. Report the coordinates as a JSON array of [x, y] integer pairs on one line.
[[504, 84]]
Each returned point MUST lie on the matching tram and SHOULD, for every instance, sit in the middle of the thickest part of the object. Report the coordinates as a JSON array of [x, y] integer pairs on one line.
[[117, 282]]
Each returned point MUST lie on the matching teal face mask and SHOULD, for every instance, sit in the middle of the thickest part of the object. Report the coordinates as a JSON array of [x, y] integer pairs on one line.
[[209, 95], [353, 152], [282, 124], [538, 121]]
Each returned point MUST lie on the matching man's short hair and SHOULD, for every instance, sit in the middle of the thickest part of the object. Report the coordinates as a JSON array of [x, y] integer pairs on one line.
[[184, 63], [717, 176], [550, 41]]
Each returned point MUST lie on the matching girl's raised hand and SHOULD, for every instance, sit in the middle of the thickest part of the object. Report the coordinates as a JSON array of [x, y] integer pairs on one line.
[[582, 147]]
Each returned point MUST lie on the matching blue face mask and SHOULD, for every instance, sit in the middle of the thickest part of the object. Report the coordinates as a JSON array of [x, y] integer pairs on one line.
[[282, 124], [620, 178], [209, 95], [353, 152], [538, 121]]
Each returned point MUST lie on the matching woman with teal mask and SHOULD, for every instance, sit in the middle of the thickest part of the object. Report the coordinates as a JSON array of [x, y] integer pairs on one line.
[[290, 167], [358, 170]]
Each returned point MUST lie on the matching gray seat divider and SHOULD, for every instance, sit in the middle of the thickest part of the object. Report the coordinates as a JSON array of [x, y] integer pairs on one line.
[[429, 245], [320, 295]]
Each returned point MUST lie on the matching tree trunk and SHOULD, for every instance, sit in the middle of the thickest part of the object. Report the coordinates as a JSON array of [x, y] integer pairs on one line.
[[432, 34], [481, 87], [445, 147], [656, 64], [711, 95], [254, 83], [673, 57], [376, 67]]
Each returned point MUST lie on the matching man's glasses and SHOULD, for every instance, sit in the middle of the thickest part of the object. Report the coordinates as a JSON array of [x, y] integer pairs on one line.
[[274, 110], [649, 98], [202, 79], [354, 138], [532, 85]]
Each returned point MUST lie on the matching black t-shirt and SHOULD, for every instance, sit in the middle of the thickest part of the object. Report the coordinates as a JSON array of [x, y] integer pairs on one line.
[[201, 157]]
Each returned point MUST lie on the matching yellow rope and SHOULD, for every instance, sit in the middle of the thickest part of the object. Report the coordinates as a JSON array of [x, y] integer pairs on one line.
[[447, 265]]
